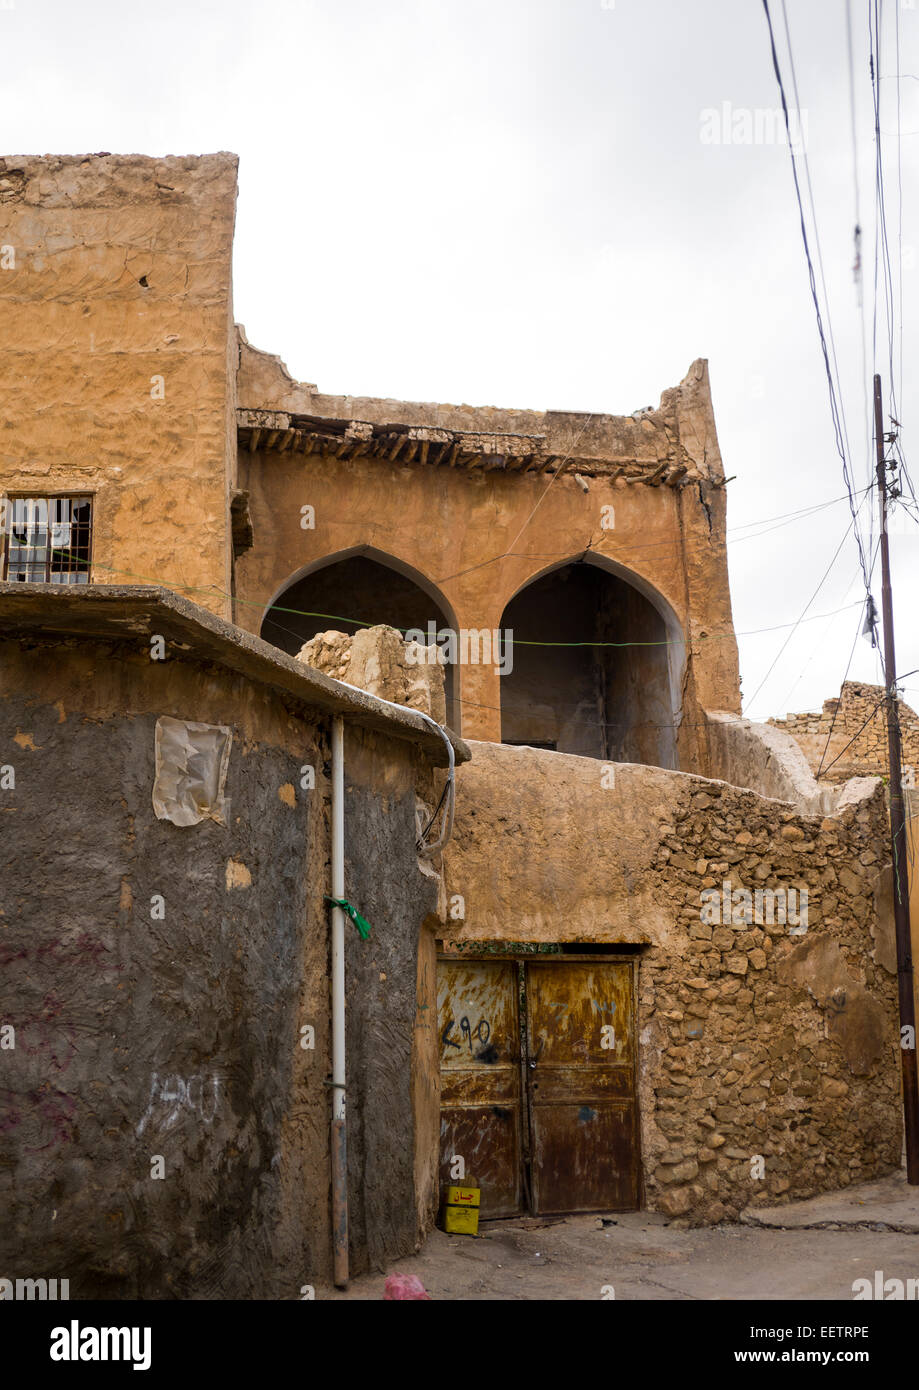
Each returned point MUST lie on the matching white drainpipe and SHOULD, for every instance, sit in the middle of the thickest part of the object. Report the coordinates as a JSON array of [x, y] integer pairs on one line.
[[339, 1147]]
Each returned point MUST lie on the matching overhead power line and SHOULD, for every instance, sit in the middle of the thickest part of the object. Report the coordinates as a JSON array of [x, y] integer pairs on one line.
[[827, 346], [177, 586]]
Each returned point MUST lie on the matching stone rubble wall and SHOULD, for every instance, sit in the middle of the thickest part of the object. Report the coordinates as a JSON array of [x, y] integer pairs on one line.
[[758, 1041], [848, 738], [855, 723]]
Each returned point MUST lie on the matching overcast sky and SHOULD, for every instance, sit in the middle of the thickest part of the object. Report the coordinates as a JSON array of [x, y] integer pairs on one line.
[[520, 204]]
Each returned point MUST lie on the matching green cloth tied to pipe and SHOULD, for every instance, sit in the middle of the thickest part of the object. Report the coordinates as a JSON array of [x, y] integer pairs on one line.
[[360, 922]]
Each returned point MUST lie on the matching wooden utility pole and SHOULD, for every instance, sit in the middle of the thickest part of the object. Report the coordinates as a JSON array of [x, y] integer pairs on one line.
[[898, 830]]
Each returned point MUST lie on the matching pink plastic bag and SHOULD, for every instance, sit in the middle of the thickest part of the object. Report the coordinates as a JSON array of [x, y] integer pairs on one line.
[[400, 1286]]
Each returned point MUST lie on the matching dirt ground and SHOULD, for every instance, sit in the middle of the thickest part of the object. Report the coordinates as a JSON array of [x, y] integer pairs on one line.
[[816, 1252]]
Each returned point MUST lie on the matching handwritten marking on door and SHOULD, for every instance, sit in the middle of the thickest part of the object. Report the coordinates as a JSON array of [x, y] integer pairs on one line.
[[481, 1032]]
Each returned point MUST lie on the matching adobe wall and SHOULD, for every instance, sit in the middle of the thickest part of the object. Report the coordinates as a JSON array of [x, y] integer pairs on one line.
[[752, 1040], [766, 760], [119, 356], [446, 521], [138, 1036]]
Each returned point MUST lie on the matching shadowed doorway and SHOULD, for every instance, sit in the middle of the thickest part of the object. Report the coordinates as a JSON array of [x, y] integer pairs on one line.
[[613, 701]]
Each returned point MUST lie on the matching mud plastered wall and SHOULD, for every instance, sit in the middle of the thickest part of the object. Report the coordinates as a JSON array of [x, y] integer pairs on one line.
[[768, 1058], [119, 367], [393, 1120], [654, 506], [156, 976], [171, 1030]]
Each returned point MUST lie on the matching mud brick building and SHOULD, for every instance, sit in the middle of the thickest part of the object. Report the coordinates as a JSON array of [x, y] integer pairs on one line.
[[653, 963]]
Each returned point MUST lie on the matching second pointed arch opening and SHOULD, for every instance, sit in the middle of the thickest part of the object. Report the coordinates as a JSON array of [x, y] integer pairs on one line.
[[597, 667]]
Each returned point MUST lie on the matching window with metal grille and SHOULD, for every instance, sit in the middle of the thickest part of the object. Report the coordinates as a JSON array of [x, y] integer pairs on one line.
[[47, 540]]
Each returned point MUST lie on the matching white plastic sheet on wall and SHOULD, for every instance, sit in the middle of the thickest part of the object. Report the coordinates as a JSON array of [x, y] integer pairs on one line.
[[191, 771]]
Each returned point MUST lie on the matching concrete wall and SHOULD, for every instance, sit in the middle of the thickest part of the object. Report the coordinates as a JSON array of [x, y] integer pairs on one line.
[[753, 1040], [138, 1036], [119, 357]]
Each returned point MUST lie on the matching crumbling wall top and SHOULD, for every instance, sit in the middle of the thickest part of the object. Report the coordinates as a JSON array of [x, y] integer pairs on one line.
[[673, 442]]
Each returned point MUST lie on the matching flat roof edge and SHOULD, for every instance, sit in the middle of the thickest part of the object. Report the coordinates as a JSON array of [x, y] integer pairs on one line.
[[119, 612]]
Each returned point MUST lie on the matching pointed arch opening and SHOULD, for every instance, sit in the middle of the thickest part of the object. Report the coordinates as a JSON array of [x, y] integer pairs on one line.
[[358, 588], [608, 682]]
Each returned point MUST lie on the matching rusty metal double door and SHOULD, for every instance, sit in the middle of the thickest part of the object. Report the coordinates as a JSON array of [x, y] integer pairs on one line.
[[538, 1082]]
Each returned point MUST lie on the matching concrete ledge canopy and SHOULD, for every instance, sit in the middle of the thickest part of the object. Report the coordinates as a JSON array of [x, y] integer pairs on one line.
[[114, 612]]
